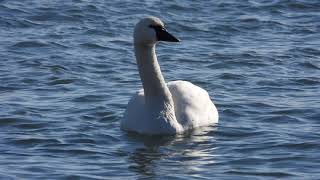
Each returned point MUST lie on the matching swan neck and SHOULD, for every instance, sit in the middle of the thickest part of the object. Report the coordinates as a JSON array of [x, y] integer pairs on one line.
[[150, 73]]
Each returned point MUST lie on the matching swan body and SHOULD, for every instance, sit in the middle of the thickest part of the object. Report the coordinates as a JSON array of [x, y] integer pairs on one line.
[[160, 107]]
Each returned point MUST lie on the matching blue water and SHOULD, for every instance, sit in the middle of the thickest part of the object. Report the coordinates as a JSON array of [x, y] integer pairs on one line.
[[67, 71]]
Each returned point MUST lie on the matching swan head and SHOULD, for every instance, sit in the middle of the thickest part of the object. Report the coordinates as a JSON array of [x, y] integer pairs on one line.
[[150, 30]]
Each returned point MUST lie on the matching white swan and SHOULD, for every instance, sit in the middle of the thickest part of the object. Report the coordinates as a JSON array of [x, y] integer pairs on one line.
[[161, 108]]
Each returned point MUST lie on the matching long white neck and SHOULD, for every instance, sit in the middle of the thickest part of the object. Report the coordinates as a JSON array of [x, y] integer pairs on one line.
[[158, 98], [153, 82]]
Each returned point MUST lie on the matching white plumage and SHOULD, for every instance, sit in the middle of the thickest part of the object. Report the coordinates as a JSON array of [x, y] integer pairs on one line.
[[163, 108]]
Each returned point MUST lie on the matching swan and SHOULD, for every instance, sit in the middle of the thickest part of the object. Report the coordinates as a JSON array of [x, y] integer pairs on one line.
[[160, 107]]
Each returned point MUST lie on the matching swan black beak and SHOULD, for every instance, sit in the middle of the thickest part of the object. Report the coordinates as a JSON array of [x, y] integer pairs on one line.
[[164, 35]]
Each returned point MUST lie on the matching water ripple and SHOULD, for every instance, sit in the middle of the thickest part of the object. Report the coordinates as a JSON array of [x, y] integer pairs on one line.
[[29, 44], [67, 71]]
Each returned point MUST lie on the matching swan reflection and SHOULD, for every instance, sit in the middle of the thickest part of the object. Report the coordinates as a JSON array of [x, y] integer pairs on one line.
[[189, 152]]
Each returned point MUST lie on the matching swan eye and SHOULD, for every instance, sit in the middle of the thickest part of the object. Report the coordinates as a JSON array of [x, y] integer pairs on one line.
[[157, 27]]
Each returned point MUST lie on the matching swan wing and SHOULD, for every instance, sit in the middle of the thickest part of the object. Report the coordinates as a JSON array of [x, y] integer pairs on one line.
[[193, 106]]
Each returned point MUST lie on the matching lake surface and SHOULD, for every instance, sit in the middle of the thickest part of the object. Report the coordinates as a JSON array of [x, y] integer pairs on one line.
[[67, 71]]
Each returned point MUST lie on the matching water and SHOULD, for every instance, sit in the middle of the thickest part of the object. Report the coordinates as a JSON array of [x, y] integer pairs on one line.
[[67, 71]]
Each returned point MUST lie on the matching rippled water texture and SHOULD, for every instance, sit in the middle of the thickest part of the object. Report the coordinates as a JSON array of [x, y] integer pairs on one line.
[[67, 71]]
